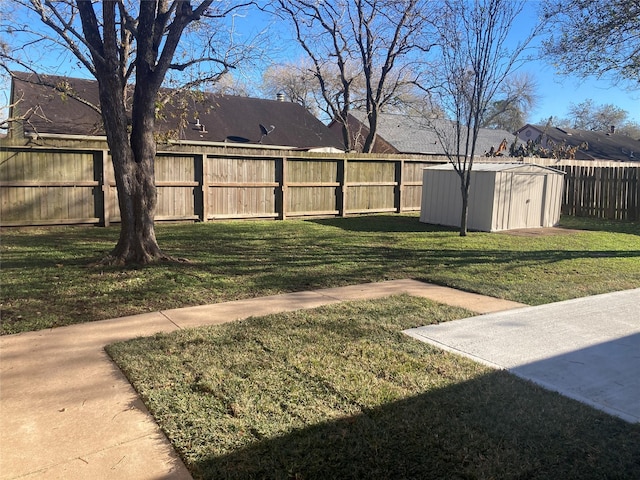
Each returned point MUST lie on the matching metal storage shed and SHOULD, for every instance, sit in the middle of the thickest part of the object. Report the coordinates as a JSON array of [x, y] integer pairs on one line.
[[503, 196]]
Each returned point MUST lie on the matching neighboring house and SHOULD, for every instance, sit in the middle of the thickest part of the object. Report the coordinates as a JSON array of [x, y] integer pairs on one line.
[[584, 144], [63, 108], [397, 133]]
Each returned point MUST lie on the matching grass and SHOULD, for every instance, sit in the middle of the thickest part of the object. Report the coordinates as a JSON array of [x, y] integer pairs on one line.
[[340, 392], [46, 280]]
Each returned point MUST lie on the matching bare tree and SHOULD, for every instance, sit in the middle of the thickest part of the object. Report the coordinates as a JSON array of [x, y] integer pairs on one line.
[[475, 62], [351, 39], [517, 95], [298, 82], [132, 49], [231, 84], [589, 116], [294, 81]]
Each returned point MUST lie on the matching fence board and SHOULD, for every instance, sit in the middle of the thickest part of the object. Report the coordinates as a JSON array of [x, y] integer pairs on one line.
[[310, 198], [312, 171], [312, 185], [243, 202]]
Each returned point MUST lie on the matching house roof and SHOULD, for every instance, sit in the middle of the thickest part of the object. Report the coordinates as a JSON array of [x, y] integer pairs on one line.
[[41, 99], [201, 117], [600, 145], [415, 134], [499, 167]]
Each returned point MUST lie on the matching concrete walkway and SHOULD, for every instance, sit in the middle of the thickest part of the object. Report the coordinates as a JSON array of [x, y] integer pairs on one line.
[[66, 411], [587, 348]]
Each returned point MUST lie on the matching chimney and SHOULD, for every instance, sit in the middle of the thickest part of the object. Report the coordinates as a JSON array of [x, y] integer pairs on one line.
[[280, 97]]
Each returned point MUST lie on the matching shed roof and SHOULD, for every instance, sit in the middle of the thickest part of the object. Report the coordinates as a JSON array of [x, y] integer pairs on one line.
[[54, 108]]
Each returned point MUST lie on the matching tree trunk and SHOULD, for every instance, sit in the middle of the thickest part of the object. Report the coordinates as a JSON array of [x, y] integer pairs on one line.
[[133, 152], [370, 141], [346, 137], [137, 198], [133, 158], [464, 214]]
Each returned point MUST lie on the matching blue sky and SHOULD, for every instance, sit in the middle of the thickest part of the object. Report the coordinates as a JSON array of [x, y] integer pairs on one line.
[[556, 93]]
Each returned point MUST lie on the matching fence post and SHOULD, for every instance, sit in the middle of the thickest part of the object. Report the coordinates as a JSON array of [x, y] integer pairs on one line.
[[105, 188], [200, 193], [282, 188], [399, 179], [342, 189]]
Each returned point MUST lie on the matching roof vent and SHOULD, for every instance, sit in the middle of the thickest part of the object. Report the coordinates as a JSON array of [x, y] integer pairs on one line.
[[280, 97], [612, 129]]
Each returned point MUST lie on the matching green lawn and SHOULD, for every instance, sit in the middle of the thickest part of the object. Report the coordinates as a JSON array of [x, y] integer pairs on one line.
[[340, 392], [47, 279]]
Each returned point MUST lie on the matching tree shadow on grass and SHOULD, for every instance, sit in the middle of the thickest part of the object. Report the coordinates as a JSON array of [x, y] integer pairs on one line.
[[599, 225], [404, 223], [382, 224], [383, 262], [490, 427]]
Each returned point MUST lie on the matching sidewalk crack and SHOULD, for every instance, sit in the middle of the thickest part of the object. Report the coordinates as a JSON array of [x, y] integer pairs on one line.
[[169, 319]]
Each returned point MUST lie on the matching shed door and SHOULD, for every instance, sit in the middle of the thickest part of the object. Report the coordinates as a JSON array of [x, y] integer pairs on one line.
[[527, 201]]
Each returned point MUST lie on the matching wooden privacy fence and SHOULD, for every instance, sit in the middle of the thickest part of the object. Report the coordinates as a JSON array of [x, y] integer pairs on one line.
[[46, 186], [602, 192], [54, 185]]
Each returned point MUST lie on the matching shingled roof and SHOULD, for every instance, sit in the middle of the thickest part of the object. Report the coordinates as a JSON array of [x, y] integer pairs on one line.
[[599, 145], [53, 106], [47, 106], [399, 133]]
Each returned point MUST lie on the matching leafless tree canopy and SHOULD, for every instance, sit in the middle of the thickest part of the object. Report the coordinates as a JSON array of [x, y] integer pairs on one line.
[[370, 41], [516, 96], [298, 82], [588, 115]]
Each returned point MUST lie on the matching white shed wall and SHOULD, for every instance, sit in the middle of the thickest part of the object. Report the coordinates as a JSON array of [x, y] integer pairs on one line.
[[442, 200], [481, 198], [501, 203], [553, 199]]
